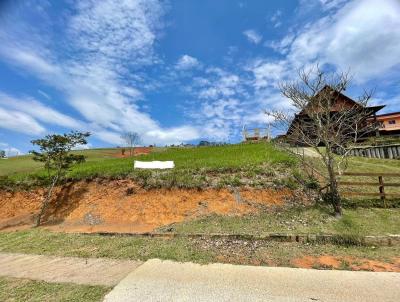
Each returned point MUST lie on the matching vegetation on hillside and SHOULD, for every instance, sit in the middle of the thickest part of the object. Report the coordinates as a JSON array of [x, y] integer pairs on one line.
[[193, 166], [315, 220], [57, 158]]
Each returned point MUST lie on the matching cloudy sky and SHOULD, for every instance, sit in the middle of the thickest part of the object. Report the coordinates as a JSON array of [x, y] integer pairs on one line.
[[179, 71]]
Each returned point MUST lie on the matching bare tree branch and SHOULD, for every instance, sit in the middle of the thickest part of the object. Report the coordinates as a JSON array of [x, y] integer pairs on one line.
[[326, 120]]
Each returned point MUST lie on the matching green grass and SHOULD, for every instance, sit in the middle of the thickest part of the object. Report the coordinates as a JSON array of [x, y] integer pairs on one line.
[[367, 165], [188, 162], [12, 289], [317, 220], [178, 249], [48, 243], [24, 165], [20, 164], [374, 165], [364, 164], [208, 158]]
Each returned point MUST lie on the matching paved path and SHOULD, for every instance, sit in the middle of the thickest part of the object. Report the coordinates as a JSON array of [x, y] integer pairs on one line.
[[161, 281], [92, 271], [306, 151]]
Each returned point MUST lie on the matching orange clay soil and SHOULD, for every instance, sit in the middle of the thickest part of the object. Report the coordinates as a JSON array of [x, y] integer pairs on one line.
[[121, 206], [136, 152], [349, 263]]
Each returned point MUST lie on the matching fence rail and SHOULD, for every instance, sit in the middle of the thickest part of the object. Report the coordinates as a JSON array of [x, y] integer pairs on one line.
[[380, 184]]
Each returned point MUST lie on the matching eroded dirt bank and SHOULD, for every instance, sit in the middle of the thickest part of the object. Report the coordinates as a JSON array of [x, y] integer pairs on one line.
[[122, 206]]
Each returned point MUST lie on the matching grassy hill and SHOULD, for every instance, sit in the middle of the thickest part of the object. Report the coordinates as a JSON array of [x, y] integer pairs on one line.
[[190, 163], [25, 164], [251, 164]]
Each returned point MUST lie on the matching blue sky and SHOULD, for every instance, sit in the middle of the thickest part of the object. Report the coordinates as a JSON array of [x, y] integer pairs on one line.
[[179, 71]]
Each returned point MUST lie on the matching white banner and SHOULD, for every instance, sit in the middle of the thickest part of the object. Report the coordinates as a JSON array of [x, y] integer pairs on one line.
[[153, 164]]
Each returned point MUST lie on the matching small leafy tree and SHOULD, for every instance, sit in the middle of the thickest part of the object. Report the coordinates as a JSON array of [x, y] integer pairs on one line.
[[2, 154], [55, 154], [131, 139]]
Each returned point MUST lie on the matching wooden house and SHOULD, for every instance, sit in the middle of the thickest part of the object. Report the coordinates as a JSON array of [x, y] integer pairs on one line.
[[339, 102]]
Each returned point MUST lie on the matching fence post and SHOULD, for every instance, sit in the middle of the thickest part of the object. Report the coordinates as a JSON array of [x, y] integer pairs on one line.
[[394, 151], [389, 149], [382, 190]]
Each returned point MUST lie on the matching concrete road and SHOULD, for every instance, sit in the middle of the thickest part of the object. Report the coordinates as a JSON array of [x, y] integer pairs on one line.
[[158, 280], [92, 271]]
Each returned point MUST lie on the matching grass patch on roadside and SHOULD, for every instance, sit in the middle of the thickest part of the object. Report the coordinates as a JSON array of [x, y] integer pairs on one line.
[[195, 250], [12, 289], [118, 247], [317, 220]]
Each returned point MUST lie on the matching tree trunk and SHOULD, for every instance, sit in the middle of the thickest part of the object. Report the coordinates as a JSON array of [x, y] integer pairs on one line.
[[46, 201], [333, 190]]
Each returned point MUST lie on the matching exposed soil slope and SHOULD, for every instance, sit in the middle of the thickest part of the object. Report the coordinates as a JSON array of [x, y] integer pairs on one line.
[[136, 152], [352, 263], [122, 206]]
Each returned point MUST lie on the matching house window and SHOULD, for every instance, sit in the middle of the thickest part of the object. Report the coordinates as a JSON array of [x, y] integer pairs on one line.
[[392, 122]]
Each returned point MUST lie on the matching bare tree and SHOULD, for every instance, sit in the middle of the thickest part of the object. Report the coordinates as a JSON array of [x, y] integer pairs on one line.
[[326, 121], [131, 139]]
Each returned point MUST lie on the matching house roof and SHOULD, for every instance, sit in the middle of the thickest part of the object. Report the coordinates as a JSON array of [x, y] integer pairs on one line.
[[349, 100], [388, 114], [371, 109]]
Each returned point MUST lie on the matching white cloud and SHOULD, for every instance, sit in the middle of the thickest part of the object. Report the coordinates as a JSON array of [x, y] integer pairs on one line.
[[10, 150], [19, 122], [172, 135], [218, 83], [281, 46], [253, 36], [43, 113], [362, 35], [331, 4], [275, 19], [366, 37], [116, 29], [222, 104], [105, 39], [187, 62], [83, 147], [110, 137], [268, 73], [44, 94], [26, 57]]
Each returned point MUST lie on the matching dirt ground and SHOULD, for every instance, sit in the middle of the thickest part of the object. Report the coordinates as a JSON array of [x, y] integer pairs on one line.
[[352, 263], [136, 151], [122, 206], [253, 252]]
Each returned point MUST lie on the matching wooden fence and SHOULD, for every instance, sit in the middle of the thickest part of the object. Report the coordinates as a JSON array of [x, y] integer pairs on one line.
[[380, 184], [389, 151]]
